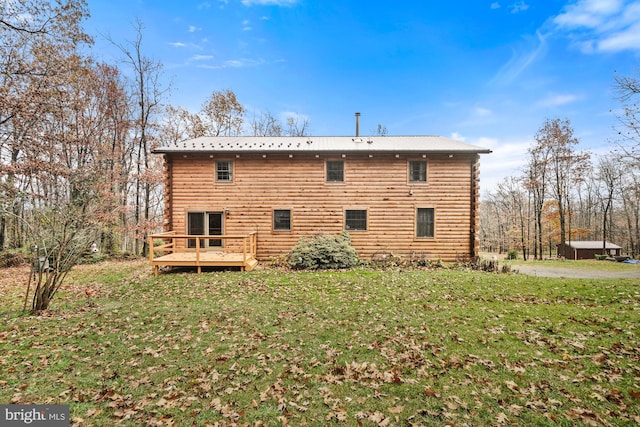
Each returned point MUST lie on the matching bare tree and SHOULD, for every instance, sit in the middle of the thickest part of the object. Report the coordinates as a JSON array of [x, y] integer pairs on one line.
[[39, 39], [222, 114], [630, 196], [381, 130], [179, 124], [565, 166], [297, 125], [512, 193], [609, 177], [70, 197], [146, 96], [628, 88], [266, 125], [536, 181]]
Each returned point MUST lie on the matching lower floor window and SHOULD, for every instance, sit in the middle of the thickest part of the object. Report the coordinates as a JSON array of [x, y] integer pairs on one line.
[[425, 220], [356, 220], [282, 220]]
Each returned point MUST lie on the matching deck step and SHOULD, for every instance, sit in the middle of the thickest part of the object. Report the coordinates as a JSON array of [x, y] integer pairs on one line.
[[251, 264]]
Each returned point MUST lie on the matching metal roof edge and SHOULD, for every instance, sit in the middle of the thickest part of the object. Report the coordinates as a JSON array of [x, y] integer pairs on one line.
[[322, 144]]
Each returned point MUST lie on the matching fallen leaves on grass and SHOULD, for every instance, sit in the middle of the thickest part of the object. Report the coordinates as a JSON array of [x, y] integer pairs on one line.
[[354, 348]]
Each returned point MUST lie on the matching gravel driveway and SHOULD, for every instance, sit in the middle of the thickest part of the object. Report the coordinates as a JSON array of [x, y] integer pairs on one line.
[[550, 271]]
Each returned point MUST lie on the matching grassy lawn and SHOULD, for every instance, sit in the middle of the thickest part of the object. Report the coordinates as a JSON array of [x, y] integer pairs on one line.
[[583, 264], [360, 347]]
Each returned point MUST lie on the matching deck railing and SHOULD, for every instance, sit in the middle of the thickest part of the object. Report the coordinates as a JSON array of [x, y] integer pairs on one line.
[[247, 244]]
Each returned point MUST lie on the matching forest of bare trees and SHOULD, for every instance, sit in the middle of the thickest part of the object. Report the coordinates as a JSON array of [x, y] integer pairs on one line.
[[564, 194]]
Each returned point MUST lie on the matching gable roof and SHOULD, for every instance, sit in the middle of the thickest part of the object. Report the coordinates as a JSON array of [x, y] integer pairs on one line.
[[322, 144], [591, 244]]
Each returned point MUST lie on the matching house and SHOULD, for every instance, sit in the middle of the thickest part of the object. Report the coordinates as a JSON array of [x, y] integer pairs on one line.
[[587, 249], [406, 195]]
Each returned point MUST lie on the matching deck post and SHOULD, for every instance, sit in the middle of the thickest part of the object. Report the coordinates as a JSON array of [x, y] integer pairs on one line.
[[244, 250], [198, 255], [150, 238]]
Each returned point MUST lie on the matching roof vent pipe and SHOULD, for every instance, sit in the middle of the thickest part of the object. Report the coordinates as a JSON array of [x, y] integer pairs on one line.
[[357, 125]]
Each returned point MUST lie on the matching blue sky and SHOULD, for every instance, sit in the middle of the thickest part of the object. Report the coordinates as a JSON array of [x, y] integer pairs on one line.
[[484, 72]]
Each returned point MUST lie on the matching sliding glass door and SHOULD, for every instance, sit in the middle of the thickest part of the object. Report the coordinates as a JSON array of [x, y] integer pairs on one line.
[[205, 224]]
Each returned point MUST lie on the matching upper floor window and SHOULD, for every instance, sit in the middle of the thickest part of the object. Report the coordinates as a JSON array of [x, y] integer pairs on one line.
[[418, 171], [335, 171], [224, 170]]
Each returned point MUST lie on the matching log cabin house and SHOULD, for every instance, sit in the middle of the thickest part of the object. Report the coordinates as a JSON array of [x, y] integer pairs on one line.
[[239, 199]]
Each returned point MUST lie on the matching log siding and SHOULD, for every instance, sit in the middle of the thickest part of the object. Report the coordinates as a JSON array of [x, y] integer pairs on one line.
[[379, 184]]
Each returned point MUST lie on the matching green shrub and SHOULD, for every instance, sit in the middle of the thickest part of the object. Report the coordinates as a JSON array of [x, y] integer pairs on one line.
[[512, 254], [93, 258], [324, 252]]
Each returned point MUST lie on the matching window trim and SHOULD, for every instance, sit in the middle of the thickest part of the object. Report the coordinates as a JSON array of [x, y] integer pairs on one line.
[[366, 220], [326, 171], [426, 172], [433, 231], [273, 221], [231, 171]]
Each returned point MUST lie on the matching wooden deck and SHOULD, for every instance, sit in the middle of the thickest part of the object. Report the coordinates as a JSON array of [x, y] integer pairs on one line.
[[241, 252]]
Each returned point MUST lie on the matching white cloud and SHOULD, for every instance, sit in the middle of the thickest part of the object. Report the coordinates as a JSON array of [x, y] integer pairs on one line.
[[482, 112], [628, 39], [457, 137], [520, 61], [588, 13], [518, 7], [297, 117], [193, 29], [181, 45], [507, 158], [557, 100], [602, 25], [236, 63], [201, 57], [495, 5]]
